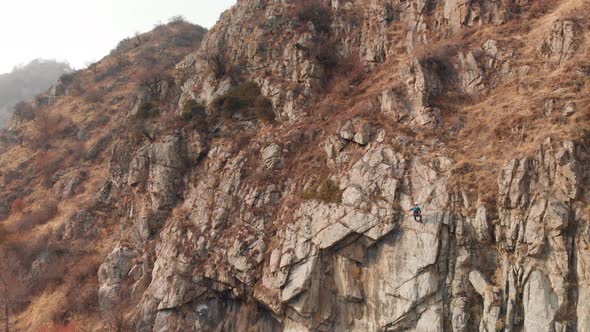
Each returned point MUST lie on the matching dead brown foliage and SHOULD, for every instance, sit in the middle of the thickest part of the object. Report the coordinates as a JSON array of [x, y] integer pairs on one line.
[[17, 205], [60, 327], [154, 80], [24, 111], [46, 163], [46, 127], [38, 217], [95, 95], [313, 11]]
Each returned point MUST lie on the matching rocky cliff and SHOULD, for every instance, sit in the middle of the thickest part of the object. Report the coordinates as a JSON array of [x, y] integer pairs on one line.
[[267, 188]]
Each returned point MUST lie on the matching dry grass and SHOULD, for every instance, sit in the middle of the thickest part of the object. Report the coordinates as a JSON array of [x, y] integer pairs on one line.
[[53, 146], [502, 124]]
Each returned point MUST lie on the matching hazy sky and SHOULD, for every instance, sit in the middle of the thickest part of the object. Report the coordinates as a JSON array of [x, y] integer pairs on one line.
[[80, 31]]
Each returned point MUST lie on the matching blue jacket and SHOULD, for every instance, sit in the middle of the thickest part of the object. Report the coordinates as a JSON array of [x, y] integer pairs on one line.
[[416, 210]]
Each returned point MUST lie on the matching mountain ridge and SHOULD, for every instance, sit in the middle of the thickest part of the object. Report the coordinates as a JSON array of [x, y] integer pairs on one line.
[[261, 181]]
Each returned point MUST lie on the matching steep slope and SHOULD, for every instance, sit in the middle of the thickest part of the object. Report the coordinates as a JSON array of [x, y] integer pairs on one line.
[[54, 233], [25, 82], [269, 190]]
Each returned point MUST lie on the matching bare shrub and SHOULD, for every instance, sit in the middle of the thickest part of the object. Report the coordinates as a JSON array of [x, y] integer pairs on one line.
[[60, 327], [76, 149], [315, 12], [263, 109], [96, 95], [327, 55], [46, 127], [146, 110], [217, 63], [243, 102], [38, 217], [10, 284], [17, 205], [82, 295], [156, 56], [46, 164], [177, 19], [195, 114], [114, 314], [348, 75], [24, 111], [442, 51], [241, 141], [192, 108], [68, 78], [155, 80], [326, 191], [93, 67], [3, 233], [120, 63]]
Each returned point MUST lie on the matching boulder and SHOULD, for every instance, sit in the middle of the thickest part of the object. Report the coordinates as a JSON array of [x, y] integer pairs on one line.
[[111, 274], [559, 45], [272, 156]]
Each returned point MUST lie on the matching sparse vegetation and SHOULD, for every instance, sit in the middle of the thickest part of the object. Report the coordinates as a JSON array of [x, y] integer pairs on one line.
[[60, 327], [336, 74], [326, 191], [146, 110], [315, 12], [119, 64], [38, 217], [243, 102], [177, 19], [24, 111], [156, 81], [218, 63], [25, 82], [441, 51], [67, 78], [17, 205], [193, 108], [327, 55], [95, 95], [46, 127], [193, 116], [263, 109], [46, 163]]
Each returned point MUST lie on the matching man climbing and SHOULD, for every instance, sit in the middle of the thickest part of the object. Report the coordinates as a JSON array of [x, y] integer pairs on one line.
[[417, 212]]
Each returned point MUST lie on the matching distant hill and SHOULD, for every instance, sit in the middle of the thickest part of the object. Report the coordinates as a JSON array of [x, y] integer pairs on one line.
[[24, 82]]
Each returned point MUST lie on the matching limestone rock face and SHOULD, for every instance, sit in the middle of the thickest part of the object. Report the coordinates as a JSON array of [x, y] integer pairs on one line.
[[79, 225], [411, 104], [334, 259], [272, 156], [307, 226], [559, 44], [67, 184], [471, 75], [110, 275], [532, 230]]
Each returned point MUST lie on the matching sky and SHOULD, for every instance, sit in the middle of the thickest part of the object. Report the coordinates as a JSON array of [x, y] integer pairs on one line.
[[84, 31]]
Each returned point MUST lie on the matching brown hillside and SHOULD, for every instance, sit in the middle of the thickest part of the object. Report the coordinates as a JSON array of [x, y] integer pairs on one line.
[[261, 180]]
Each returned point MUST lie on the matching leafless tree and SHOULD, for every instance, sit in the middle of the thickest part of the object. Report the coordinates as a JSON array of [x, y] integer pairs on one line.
[[177, 19], [46, 126], [154, 81], [138, 39], [9, 284], [114, 313], [93, 66], [217, 62]]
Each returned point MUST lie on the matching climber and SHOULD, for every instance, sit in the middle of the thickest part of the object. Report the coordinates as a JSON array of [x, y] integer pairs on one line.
[[417, 212]]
